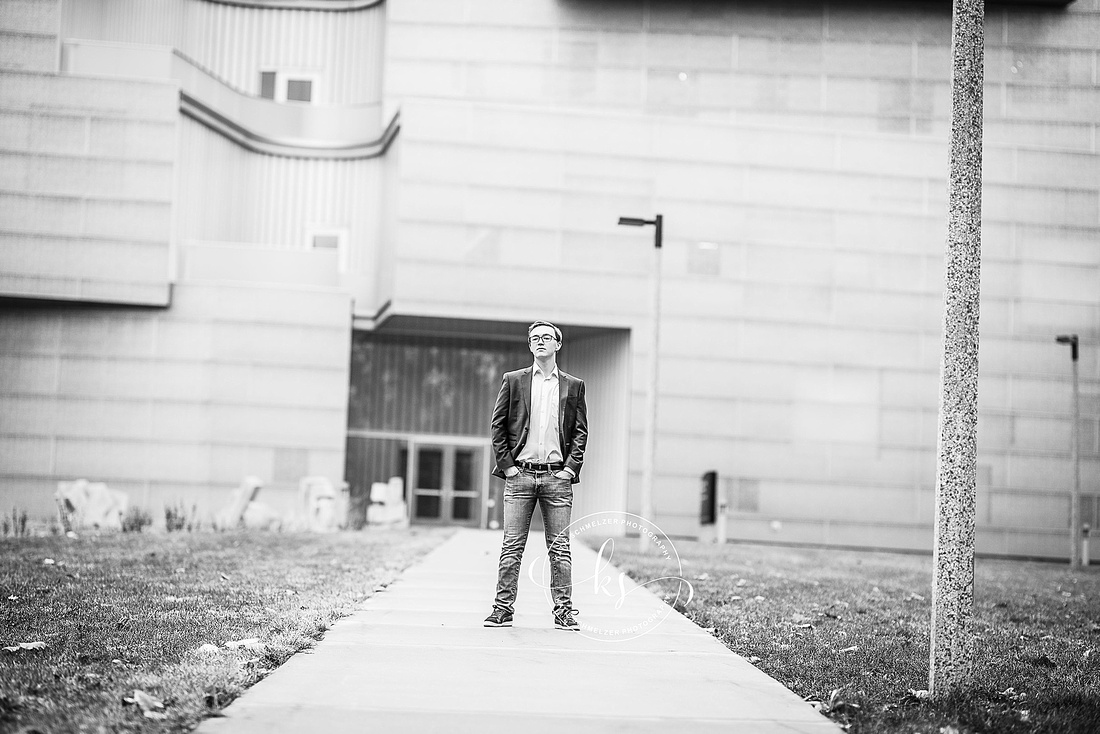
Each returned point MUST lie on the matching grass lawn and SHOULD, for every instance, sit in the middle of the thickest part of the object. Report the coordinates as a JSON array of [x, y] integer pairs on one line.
[[857, 623], [121, 612]]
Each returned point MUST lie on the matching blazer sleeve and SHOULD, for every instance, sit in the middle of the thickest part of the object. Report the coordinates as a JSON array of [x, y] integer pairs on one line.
[[579, 439], [498, 428]]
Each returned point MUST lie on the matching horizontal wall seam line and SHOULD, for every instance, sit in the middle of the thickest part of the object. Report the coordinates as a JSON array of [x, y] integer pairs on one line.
[[734, 72], [311, 406], [34, 194], [918, 206], [737, 401], [930, 218], [313, 368], [94, 115], [65, 155], [260, 444], [932, 369], [45, 36], [96, 238], [640, 110], [935, 147], [826, 522]]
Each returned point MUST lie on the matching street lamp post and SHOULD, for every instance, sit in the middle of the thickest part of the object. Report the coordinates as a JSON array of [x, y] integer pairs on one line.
[[1075, 497], [648, 460]]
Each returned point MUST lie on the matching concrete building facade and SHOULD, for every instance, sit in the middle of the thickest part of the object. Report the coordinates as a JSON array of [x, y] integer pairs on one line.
[[303, 237]]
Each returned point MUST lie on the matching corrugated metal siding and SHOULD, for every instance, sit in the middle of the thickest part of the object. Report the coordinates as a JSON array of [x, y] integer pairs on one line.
[[227, 194], [234, 43], [371, 460], [419, 385]]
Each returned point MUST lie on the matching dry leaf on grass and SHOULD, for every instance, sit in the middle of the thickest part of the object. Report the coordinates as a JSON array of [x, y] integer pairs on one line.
[[208, 648], [147, 704], [1011, 694], [251, 644], [835, 705], [38, 645]]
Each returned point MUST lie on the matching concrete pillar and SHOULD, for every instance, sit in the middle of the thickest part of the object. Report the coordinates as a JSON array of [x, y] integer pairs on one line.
[[952, 648]]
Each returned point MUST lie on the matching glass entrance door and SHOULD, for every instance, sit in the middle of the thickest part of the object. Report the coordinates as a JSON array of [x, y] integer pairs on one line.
[[447, 484]]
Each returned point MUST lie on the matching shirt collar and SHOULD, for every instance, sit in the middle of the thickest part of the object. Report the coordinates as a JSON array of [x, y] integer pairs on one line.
[[538, 370]]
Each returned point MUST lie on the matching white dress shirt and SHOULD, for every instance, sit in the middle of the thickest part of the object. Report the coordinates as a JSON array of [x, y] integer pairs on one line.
[[543, 443]]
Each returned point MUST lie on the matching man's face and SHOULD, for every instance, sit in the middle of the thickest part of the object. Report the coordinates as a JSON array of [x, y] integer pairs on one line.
[[543, 342]]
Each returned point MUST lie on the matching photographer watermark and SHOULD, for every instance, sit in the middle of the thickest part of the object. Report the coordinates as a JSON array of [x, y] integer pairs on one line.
[[615, 620]]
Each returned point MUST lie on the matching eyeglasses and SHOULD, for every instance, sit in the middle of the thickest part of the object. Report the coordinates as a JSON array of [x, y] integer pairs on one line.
[[544, 339]]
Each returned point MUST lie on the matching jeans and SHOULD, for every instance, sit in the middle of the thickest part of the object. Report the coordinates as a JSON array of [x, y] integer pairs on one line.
[[555, 497]]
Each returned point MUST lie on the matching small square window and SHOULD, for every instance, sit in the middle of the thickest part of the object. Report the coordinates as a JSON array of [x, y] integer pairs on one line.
[[299, 90], [326, 242], [704, 259], [267, 84], [330, 239]]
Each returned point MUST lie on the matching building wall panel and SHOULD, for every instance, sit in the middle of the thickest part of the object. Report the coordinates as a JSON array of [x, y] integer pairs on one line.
[[80, 223], [235, 42], [810, 146], [176, 403]]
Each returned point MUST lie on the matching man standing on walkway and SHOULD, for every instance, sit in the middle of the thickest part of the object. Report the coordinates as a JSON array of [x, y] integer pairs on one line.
[[539, 432]]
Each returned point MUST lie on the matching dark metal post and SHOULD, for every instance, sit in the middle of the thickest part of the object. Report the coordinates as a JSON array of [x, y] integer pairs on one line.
[[1075, 550]]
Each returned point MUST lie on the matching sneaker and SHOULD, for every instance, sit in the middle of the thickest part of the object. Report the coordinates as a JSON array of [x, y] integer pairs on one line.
[[565, 621], [498, 619]]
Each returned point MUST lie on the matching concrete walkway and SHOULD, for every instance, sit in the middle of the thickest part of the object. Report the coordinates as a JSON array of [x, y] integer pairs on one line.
[[417, 659]]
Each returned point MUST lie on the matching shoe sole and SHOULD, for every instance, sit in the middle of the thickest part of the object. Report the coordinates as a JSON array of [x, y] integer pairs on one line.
[[502, 624], [572, 628]]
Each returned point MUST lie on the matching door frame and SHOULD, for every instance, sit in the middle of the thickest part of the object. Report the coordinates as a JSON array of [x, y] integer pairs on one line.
[[413, 440]]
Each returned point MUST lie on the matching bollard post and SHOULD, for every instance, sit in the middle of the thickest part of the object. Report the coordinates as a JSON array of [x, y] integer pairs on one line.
[[720, 523], [1085, 545], [952, 646]]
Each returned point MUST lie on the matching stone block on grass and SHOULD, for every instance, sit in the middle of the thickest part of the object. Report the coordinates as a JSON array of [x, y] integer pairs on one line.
[[83, 505]]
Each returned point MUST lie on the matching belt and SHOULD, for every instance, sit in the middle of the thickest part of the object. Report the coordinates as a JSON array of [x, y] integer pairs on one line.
[[532, 466]]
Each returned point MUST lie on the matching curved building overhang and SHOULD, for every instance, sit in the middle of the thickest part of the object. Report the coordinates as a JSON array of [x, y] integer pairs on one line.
[[329, 5], [259, 142], [293, 130]]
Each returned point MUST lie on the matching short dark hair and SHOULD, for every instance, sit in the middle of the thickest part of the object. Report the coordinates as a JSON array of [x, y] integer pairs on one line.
[[557, 331]]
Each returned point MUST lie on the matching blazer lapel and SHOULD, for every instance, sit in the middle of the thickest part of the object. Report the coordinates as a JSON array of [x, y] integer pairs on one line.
[[563, 393], [525, 388]]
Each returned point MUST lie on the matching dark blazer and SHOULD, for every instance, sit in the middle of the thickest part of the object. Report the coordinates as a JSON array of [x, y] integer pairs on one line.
[[512, 420]]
